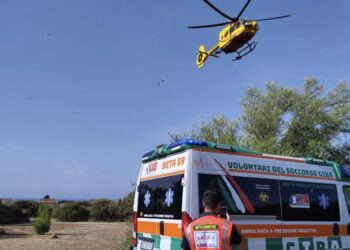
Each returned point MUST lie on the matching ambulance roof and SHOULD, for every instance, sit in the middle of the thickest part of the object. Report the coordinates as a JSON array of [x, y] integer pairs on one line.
[[163, 150]]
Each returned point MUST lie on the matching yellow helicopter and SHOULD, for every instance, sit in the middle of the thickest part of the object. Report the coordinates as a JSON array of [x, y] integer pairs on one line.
[[233, 37]]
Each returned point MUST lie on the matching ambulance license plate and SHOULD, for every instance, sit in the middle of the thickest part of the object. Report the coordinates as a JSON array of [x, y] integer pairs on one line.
[[146, 244]]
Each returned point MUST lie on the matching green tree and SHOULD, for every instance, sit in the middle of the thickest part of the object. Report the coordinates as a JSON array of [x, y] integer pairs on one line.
[[42, 223], [288, 121], [262, 117], [318, 120], [220, 129]]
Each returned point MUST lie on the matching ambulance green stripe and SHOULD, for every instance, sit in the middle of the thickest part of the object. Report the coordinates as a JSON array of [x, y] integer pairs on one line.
[[157, 241], [274, 244], [175, 243]]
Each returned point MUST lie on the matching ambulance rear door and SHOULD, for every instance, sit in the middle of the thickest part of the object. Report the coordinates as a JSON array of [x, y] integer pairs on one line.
[[160, 203]]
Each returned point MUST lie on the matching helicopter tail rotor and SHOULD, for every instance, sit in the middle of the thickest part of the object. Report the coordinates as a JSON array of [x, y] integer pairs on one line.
[[201, 56]]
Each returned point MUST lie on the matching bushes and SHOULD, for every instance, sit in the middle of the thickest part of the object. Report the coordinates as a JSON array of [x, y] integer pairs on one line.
[[17, 212], [41, 224], [5, 214], [74, 211], [98, 210], [125, 207], [28, 208], [104, 210], [10, 215]]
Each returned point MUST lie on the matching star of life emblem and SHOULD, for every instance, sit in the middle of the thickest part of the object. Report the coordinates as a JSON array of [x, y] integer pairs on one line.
[[147, 199], [323, 201], [169, 197]]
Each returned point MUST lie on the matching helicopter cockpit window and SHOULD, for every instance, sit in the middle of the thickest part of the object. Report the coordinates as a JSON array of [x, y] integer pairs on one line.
[[226, 33], [237, 25]]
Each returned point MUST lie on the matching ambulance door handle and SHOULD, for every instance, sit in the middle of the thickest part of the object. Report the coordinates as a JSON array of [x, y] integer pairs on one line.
[[335, 229], [161, 228]]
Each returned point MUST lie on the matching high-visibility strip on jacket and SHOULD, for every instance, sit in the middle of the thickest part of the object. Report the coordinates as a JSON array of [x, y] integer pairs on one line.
[[209, 232]]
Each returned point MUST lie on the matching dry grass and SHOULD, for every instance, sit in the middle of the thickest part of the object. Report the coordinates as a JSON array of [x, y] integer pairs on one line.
[[71, 235]]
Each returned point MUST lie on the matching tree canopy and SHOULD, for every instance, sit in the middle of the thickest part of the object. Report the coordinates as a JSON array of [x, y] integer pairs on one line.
[[285, 120]]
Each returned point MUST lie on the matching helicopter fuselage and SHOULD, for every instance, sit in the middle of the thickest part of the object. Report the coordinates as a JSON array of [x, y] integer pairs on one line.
[[235, 35]]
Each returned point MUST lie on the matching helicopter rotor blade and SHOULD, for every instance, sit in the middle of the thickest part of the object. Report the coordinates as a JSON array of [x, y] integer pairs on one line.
[[208, 26], [243, 9], [219, 11], [271, 18]]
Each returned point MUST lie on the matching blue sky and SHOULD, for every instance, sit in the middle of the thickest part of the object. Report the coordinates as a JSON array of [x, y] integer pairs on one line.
[[79, 103]]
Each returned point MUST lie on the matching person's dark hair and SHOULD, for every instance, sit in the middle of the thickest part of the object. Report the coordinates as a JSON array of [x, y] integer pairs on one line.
[[211, 198]]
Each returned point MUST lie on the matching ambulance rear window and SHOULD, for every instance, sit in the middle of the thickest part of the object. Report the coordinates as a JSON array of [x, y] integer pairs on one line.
[[305, 201], [161, 198]]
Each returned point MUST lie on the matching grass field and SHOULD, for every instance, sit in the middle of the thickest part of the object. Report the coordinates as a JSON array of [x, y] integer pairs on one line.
[[71, 235]]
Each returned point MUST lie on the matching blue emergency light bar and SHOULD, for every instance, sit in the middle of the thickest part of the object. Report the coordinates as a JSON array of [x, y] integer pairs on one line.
[[162, 150], [180, 143], [184, 144], [148, 156]]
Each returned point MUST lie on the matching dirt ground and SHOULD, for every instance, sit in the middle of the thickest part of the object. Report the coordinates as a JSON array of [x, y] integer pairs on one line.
[[71, 235]]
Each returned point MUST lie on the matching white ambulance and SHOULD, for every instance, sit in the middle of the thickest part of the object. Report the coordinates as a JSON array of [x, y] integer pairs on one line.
[[276, 202]]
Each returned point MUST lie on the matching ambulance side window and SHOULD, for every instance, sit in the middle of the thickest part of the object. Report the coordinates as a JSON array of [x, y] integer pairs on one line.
[[161, 198], [346, 191], [263, 194], [209, 181], [305, 201]]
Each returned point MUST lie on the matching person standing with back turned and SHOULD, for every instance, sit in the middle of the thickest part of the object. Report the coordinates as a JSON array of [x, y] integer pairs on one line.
[[210, 231]]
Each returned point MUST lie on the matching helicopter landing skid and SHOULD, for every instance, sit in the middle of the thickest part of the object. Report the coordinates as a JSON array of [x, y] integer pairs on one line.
[[216, 54], [250, 47]]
